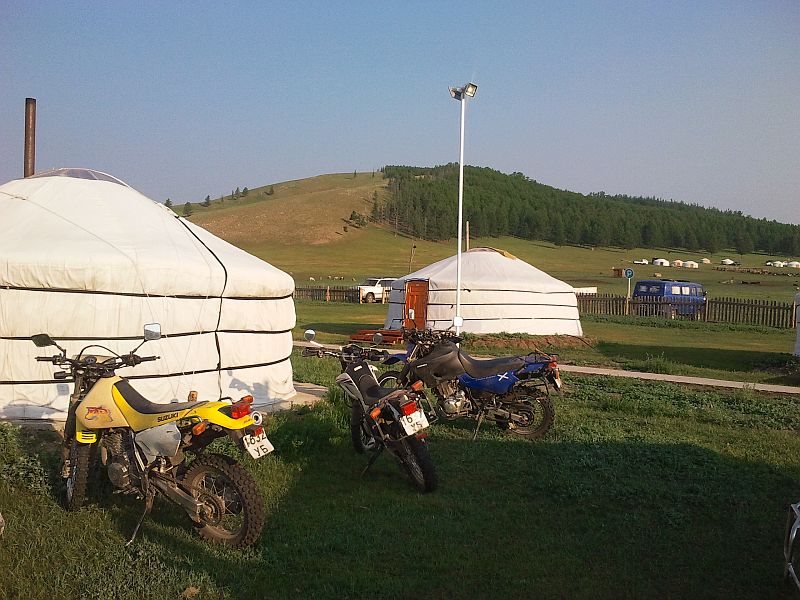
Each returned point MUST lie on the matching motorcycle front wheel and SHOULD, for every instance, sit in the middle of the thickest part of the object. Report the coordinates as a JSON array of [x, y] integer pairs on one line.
[[416, 461], [359, 433], [534, 414], [81, 456], [389, 379], [233, 511]]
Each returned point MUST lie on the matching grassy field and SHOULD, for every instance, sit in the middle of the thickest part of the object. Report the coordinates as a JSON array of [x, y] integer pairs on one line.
[[740, 353], [641, 490]]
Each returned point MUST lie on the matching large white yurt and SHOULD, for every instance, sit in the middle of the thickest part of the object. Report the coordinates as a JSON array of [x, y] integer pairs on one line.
[[499, 293], [89, 260]]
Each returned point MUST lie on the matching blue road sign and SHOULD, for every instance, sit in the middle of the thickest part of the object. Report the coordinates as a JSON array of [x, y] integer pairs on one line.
[[629, 273]]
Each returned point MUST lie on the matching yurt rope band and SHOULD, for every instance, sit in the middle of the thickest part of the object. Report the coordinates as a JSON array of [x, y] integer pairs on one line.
[[140, 295], [139, 337], [158, 376]]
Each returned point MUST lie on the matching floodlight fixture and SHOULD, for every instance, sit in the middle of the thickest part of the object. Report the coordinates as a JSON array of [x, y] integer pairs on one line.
[[470, 89]]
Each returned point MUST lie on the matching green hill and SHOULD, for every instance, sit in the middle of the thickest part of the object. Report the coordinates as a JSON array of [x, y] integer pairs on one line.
[[304, 228]]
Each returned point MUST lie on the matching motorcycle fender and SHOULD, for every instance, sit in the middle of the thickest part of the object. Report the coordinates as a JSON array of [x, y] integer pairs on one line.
[[211, 412], [84, 436]]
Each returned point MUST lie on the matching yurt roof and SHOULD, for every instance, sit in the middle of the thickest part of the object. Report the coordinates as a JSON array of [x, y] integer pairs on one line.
[[488, 268]]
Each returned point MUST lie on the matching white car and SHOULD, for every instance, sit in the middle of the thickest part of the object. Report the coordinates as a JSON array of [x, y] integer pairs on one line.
[[374, 289]]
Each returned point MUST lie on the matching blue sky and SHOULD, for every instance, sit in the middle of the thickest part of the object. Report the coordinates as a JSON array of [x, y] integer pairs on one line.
[[692, 101]]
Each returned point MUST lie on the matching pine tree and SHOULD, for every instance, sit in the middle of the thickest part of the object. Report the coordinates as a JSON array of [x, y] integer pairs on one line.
[[168, 203], [206, 202], [187, 209]]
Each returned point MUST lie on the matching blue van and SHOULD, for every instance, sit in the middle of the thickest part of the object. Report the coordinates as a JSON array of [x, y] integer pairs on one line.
[[669, 298]]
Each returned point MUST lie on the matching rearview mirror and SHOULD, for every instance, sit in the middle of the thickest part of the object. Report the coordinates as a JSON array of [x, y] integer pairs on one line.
[[42, 340], [152, 331], [309, 335]]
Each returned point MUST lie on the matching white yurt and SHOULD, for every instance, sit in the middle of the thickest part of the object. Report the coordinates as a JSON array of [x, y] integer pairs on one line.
[[690, 264], [793, 264], [89, 260], [726, 261], [499, 293], [660, 262], [705, 261], [778, 263], [677, 262]]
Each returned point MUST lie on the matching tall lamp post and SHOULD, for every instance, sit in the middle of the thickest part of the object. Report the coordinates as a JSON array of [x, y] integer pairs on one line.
[[461, 95]]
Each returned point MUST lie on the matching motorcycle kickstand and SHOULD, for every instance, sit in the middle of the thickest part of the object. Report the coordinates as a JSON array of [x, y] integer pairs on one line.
[[148, 506], [477, 427], [372, 460]]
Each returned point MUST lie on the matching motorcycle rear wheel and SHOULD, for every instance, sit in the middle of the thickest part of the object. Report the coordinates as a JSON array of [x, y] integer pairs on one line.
[[537, 412], [234, 508], [80, 457], [416, 461]]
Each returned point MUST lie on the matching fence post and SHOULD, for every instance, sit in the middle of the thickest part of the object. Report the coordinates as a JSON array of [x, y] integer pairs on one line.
[[328, 294]]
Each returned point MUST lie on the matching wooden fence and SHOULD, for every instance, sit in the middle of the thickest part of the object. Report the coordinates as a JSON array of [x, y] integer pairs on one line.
[[327, 294], [716, 310]]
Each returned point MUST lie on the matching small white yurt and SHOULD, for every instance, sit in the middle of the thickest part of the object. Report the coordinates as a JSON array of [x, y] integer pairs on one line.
[[793, 264], [660, 262], [499, 293], [677, 262], [726, 261], [778, 263], [690, 264], [705, 261], [89, 260]]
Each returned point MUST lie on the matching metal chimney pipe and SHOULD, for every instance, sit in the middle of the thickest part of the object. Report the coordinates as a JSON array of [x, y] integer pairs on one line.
[[30, 136]]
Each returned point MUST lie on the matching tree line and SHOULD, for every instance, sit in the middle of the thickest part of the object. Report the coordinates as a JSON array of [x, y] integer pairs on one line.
[[423, 202]]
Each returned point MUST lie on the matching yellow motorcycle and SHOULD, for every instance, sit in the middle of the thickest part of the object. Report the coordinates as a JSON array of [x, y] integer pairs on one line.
[[144, 445]]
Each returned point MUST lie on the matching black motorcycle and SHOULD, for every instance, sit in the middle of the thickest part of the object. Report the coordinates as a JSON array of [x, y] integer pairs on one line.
[[514, 391], [382, 418]]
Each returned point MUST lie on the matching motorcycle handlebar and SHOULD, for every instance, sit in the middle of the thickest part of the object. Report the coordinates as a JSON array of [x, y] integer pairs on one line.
[[49, 359]]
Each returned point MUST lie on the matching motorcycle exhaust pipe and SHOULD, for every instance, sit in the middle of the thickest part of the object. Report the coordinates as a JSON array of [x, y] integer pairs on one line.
[[257, 418]]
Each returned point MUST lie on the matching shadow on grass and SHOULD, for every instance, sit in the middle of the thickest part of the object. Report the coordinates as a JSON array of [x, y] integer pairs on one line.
[[561, 518], [783, 368]]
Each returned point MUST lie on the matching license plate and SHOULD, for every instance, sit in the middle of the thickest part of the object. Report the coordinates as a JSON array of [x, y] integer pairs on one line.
[[257, 445], [556, 379], [416, 421]]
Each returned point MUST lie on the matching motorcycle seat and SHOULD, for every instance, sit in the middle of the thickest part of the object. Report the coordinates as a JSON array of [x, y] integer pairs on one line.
[[375, 393], [142, 405], [477, 368]]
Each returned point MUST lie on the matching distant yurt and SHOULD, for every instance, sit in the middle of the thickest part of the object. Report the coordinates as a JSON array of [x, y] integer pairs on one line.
[[690, 264], [705, 261], [660, 262], [793, 264], [499, 293], [778, 263], [89, 260], [677, 262], [726, 261]]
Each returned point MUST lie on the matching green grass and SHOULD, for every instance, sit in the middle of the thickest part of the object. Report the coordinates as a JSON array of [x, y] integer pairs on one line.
[[641, 490], [718, 351]]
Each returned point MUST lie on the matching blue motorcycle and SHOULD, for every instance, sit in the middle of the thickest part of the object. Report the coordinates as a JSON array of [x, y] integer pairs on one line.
[[514, 391]]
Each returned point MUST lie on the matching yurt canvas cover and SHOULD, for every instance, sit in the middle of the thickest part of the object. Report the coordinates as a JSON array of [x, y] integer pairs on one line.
[[499, 293], [89, 260]]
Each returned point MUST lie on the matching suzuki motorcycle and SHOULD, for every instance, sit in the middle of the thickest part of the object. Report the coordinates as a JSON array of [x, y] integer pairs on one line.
[[513, 392], [381, 418], [145, 447]]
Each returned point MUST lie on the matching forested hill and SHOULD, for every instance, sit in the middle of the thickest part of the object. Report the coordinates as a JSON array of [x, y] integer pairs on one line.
[[423, 202]]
